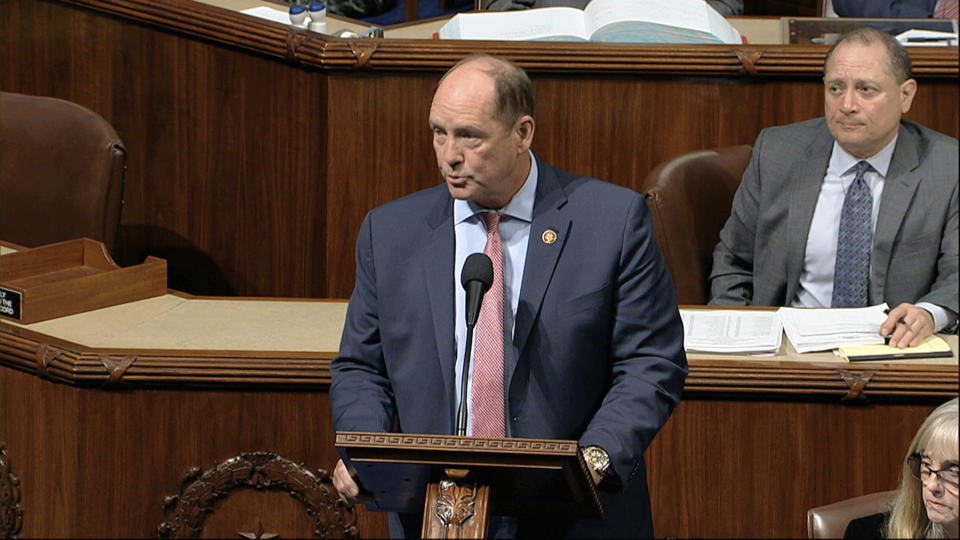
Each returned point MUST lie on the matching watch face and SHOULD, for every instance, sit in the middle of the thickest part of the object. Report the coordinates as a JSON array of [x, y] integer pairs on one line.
[[597, 459]]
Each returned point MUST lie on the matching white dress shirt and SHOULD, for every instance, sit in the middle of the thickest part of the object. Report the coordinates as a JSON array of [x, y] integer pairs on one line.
[[816, 279]]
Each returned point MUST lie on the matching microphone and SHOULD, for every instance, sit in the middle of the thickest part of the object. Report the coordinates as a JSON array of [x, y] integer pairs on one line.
[[476, 278]]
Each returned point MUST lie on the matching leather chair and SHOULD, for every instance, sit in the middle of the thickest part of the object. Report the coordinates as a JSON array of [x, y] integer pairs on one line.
[[830, 521], [62, 172], [690, 198]]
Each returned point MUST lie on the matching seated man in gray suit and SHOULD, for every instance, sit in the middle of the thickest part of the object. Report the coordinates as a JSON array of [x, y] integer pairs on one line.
[[855, 208]]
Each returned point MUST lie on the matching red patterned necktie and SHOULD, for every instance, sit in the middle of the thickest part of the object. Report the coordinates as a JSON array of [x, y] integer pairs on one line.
[[488, 407], [946, 9]]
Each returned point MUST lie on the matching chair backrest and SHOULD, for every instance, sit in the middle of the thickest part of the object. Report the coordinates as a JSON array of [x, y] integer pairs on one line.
[[830, 521], [690, 198], [62, 170]]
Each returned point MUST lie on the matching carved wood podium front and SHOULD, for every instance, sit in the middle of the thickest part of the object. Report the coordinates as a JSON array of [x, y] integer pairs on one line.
[[459, 482]]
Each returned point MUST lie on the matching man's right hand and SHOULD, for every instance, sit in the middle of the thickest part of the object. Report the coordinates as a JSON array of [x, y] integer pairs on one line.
[[345, 484]]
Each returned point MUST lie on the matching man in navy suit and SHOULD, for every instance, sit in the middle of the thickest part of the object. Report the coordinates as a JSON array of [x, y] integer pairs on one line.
[[593, 339]]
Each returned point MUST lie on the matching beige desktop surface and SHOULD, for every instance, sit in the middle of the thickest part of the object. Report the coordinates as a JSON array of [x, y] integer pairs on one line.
[[174, 322], [249, 324]]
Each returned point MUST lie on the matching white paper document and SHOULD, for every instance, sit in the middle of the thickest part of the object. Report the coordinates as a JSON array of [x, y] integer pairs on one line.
[[811, 329], [927, 38], [269, 14], [615, 21], [731, 331]]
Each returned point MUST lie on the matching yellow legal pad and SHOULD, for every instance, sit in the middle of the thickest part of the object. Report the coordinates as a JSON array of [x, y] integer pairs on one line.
[[932, 347]]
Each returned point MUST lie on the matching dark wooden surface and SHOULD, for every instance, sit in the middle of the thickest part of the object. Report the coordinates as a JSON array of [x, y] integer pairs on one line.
[[98, 463], [254, 152], [753, 445], [725, 468]]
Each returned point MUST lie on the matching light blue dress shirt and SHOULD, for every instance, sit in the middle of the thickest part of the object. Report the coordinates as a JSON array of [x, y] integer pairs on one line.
[[471, 237]]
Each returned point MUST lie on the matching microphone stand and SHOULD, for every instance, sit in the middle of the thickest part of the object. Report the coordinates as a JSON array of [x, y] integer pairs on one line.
[[462, 409]]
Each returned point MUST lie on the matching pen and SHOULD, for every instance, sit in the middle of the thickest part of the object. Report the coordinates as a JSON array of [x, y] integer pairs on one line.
[[886, 311], [886, 339]]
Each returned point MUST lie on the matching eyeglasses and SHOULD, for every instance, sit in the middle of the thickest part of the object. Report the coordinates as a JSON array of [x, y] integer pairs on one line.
[[922, 471]]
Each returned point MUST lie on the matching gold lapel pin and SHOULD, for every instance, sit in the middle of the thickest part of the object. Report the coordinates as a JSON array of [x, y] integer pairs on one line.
[[549, 236]]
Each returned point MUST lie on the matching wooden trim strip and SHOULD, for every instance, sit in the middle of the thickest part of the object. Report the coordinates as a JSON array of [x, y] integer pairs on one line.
[[74, 365], [327, 53]]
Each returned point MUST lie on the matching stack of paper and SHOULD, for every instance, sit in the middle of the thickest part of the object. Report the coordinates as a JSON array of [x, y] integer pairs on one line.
[[731, 331], [927, 38], [824, 329]]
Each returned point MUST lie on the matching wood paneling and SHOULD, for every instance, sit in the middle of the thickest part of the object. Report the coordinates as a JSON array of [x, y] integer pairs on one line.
[[95, 463], [227, 179], [751, 469], [752, 446], [255, 151]]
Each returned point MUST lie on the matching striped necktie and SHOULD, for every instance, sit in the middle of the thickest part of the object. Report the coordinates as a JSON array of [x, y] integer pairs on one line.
[[946, 9]]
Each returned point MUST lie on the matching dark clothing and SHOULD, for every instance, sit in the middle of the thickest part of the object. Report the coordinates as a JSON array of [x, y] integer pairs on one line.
[[359, 9], [893, 9], [597, 350], [872, 526]]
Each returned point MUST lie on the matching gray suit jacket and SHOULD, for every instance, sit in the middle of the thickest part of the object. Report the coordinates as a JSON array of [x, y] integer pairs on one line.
[[759, 258]]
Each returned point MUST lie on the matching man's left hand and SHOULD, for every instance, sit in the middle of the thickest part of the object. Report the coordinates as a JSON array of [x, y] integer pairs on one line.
[[907, 325]]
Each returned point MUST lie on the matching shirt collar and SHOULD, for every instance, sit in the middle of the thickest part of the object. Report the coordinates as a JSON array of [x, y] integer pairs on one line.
[[842, 161], [519, 207]]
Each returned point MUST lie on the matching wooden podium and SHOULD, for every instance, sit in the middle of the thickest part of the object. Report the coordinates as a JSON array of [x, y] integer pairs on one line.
[[459, 482]]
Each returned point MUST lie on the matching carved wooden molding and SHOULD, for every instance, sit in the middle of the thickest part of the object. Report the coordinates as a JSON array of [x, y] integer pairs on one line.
[[403, 440], [200, 492], [325, 52], [458, 506], [857, 382], [11, 512], [456, 503], [75, 365]]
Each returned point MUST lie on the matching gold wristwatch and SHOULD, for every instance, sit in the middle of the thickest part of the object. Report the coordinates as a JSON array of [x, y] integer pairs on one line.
[[597, 459]]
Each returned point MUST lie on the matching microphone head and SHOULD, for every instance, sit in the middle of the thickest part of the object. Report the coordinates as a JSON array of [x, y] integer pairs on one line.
[[477, 267]]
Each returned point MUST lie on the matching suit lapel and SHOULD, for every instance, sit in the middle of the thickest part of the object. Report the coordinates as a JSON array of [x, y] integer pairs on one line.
[[438, 264], [804, 181], [899, 188], [542, 257]]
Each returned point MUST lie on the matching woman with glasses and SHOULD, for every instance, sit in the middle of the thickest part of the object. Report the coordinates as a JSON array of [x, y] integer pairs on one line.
[[926, 503]]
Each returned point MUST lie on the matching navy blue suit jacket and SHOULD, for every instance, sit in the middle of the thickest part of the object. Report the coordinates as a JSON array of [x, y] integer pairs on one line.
[[905, 9], [597, 338]]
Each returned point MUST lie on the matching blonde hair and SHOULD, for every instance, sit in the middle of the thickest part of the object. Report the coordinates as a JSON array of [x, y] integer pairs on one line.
[[908, 514]]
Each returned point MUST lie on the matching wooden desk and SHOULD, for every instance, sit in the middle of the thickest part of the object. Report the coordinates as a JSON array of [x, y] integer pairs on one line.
[[255, 151], [105, 413]]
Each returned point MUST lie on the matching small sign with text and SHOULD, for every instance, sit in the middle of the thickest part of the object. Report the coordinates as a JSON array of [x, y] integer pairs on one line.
[[10, 302]]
